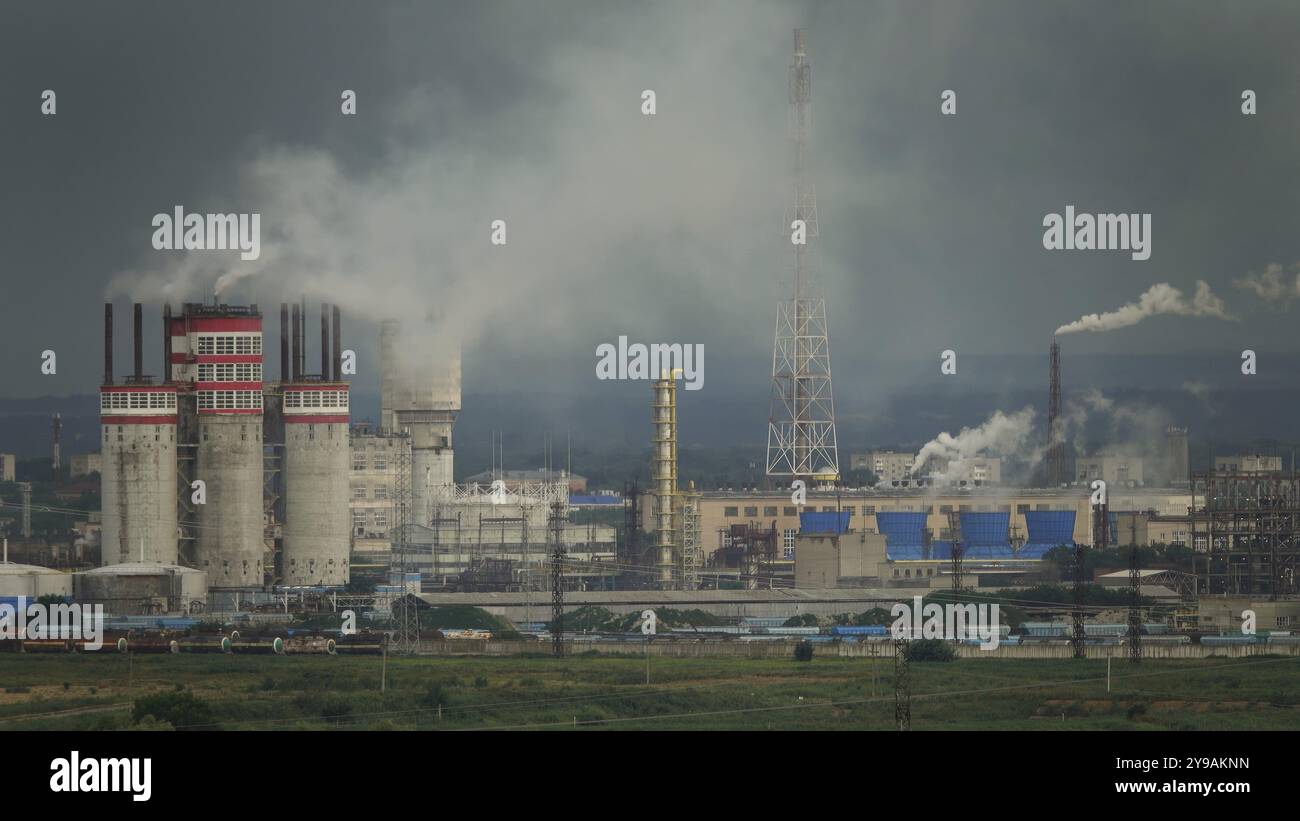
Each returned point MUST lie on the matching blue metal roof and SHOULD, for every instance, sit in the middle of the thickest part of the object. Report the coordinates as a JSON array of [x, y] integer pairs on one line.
[[986, 535], [904, 535], [824, 522], [902, 529], [1047, 529]]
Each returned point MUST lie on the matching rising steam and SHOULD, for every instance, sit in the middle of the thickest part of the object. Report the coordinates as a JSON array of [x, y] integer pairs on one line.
[[1272, 285], [1161, 298], [1007, 434]]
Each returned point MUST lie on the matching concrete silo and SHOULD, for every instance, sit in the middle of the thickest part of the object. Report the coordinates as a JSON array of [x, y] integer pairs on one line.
[[138, 479], [317, 520], [224, 350]]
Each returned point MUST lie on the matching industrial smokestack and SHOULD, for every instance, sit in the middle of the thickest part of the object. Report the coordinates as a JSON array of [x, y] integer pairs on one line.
[[167, 343], [338, 346], [302, 339], [297, 327], [108, 343], [324, 341], [284, 342], [137, 321], [1055, 436]]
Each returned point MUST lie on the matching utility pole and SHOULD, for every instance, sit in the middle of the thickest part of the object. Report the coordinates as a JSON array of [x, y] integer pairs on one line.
[[902, 686]]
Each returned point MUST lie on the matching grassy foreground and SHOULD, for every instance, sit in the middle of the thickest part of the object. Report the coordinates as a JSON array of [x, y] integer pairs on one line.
[[586, 691]]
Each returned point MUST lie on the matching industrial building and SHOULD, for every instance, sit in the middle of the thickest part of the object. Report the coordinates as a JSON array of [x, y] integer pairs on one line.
[[516, 478], [213, 468], [84, 464], [421, 398], [887, 465], [8, 467], [1115, 469], [1248, 465]]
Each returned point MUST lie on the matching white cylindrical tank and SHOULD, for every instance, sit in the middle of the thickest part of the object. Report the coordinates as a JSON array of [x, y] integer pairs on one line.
[[226, 346], [230, 547], [138, 479], [317, 519], [135, 588], [33, 581]]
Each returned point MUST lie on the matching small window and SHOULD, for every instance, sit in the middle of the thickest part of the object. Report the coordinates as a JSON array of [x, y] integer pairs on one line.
[[731, 511]]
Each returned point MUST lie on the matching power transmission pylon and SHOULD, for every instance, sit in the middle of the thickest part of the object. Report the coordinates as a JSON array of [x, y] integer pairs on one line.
[[902, 686], [1134, 607], [1077, 635], [557, 580], [801, 421]]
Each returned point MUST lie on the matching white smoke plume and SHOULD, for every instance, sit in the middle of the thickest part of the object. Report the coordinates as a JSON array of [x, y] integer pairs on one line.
[[1272, 285], [1201, 391], [1161, 298], [410, 228], [1002, 433]]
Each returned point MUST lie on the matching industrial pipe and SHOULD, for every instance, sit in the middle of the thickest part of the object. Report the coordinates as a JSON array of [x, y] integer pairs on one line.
[[338, 346], [108, 343], [284, 342], [167, 343], [297, 326], [324, 341], [138, 339]]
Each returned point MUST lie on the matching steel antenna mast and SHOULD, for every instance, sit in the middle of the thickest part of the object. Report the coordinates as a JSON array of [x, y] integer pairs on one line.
[[801, 440]]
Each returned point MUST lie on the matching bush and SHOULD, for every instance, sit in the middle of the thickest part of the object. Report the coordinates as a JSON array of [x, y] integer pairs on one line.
[[801, 620], [803, 651], [435, 696], [184, 711], [930, 650]]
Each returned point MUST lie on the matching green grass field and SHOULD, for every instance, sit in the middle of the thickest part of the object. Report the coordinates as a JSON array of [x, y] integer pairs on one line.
[[237, 692]]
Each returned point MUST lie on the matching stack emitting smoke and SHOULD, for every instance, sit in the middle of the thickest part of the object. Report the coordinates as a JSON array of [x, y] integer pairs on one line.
[[1160, 299], [213, 354]]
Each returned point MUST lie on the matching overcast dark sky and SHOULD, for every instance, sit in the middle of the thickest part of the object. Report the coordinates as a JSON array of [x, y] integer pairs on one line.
[[666, 228]]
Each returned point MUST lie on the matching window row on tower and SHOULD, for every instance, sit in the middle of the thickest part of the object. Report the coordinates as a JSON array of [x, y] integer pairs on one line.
[[230, 372], [229, 344], [230, 400]]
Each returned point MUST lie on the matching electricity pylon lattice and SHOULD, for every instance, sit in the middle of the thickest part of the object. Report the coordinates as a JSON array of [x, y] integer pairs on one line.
[[801, 422]]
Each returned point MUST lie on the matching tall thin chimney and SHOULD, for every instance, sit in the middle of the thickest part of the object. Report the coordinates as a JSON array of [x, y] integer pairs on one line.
[[167, 343], [324, 341], [302, 339], [138, 339], [108, 343], [338, 346], [297, 328], [284, 342]]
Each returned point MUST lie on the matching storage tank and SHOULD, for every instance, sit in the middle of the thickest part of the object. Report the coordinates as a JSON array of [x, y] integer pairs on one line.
[[225, 345], [32, 581], [317, 519], [138, 475], [135, 588]]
